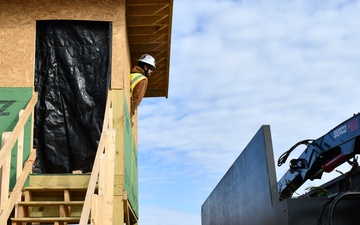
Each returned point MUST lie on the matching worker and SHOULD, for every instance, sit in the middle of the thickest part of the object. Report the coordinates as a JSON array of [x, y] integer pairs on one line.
[[139, 80]]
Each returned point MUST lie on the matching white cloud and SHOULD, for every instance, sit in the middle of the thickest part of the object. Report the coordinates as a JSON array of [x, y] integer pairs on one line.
[[157, 216], [237, 65]]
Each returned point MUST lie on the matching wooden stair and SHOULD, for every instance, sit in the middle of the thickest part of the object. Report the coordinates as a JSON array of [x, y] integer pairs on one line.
[[48, 199]]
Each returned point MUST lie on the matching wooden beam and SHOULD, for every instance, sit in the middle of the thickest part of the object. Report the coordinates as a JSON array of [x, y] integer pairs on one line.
[[110, 172], [147, 2], [95, 213], [148, 10], [148, 20], [119, 125]]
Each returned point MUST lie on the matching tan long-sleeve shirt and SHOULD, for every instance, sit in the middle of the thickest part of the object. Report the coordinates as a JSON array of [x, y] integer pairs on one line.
[[138, 91]]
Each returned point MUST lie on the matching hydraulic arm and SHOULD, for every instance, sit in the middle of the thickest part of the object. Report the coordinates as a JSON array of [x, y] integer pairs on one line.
[[321, 155]]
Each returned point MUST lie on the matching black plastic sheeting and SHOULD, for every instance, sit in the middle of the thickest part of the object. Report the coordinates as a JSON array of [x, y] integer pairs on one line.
[[72, 78]]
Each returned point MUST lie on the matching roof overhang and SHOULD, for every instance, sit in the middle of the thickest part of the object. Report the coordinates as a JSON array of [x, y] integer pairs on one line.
[[149, 31]]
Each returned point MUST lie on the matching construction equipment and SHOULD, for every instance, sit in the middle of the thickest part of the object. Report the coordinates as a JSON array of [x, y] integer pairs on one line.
[[324, 154], [248, 192]]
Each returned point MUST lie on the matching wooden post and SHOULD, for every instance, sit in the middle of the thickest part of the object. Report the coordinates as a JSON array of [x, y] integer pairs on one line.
[[101, 189], [19, 161], [118, 124], [94, 220], [65, 210], [5, 177], [110, 166], [20, 151]]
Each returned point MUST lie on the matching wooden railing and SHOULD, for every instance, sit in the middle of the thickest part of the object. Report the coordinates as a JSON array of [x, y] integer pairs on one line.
[[102, 175], [7, 200]]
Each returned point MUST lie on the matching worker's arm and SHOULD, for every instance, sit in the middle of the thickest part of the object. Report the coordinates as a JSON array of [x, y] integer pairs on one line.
[[137, 95]]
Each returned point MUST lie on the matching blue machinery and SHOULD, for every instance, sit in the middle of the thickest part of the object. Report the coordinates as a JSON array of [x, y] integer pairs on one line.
[[249, 193], [321, 155]]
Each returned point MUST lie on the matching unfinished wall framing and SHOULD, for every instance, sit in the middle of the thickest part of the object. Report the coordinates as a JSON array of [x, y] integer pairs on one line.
[[137, 26]]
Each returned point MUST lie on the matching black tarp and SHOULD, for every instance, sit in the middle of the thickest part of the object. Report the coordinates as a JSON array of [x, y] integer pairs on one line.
[[72, 78]]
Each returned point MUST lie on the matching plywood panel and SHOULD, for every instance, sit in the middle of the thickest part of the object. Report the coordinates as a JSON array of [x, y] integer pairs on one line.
[[119, 51], [17, 32]]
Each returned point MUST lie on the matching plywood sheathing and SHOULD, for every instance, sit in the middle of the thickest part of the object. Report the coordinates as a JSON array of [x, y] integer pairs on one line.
[[18, 29]]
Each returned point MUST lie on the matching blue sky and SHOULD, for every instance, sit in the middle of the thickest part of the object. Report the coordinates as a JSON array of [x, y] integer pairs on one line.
[[237, 65]]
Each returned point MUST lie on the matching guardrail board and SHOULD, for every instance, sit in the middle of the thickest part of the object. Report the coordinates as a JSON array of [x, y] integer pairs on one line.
[[12, 101]]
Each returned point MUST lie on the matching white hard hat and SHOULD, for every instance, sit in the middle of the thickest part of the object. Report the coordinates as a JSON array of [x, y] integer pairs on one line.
[[146, 58]]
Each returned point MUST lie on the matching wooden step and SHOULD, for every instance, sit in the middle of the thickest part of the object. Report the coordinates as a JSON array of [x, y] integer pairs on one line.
[[47, 189], [46, 219], [55, 199], [54, 194], [50, 208], [51, 203], [59, 181]]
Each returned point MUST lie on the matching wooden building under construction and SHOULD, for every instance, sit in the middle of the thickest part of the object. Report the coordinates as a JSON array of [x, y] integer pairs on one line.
[[68, 149]]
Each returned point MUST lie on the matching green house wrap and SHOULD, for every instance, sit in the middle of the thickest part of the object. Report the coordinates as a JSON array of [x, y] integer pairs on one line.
[[130, 162], [12, 101]]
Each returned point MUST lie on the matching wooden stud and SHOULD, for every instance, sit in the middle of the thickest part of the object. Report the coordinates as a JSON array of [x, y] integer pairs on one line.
[[25, 212], [19, 160], [5, 177], [110, 166], [66, 210], [94, 213], [102, 187], [118, 125], [20, 150]]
